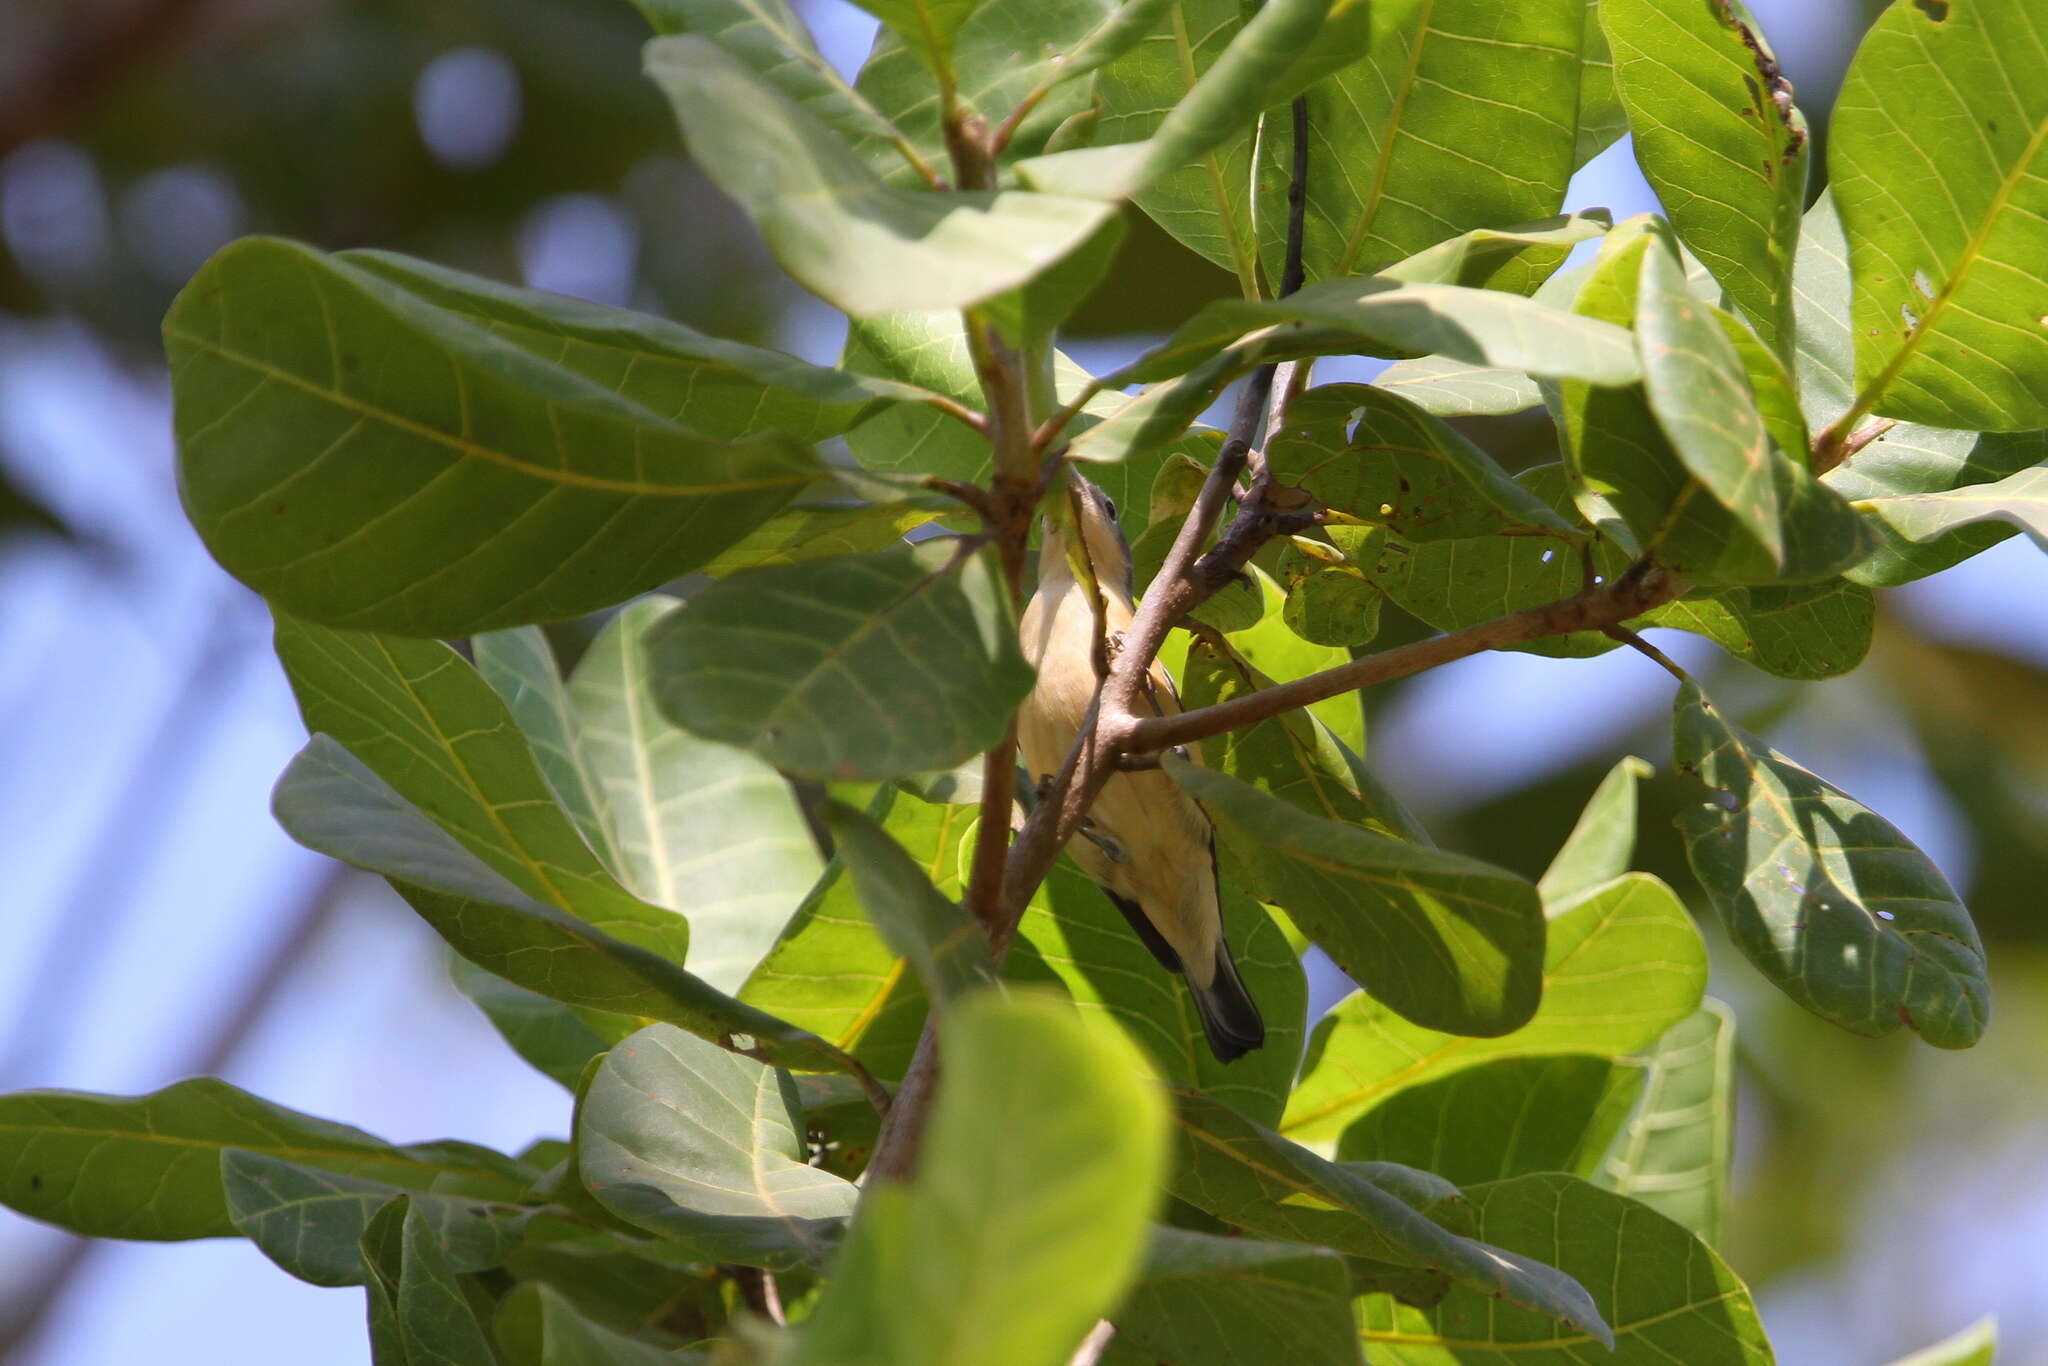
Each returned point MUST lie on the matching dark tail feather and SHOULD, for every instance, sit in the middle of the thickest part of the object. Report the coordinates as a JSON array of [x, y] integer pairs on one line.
[[1229, 1015]]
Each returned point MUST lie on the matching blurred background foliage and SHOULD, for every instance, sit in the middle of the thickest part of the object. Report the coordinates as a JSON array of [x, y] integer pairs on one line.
[[156, 924]]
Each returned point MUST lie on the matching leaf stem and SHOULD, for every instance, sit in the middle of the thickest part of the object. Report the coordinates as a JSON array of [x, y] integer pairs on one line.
[[1644, 647]]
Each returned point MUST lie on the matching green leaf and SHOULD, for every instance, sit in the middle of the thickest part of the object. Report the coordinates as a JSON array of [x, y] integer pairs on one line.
[[1276, 651], [1516, 260], [569, 1339], [1974, 1346], [519, 664], [927, 27], [436, 1320], [1501, 1118], [706, 1148], [427, 724], [2019, 499], [1478, 326], [1907, 458], [1271, 1188], [1028, 1216], [1950, 265], [1462, 115], [1824, 895], [1602, 841], [1805, 631], [1602, 120], [1720, 142], [149, 1166], [311, 1222], [858, 667], [815, 532], [769, 37], [1362, 451], [1667, 1294], [368, 447], [933, 932], [1674, 1154], [856, 242], [1455, 388], [1445, 940], [1622, 964], [700, 827], [331, 803], [1330, 601], [1209, 1301], [558, 1040]]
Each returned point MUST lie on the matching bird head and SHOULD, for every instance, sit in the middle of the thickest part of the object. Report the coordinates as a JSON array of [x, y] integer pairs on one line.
[[1090, 509]]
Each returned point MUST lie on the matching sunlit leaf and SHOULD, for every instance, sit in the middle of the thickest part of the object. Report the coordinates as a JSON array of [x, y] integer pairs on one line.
[[2018, 499], [1209, 1301], [1455, 388], [814, 532], [1445, 940], [946, 946], [1824, 895], [363, 453], [1516, 260], [519, 664], [1622, 964], [1602, 841], [1806, 631], [1674, 1154], [861, 666], [1601, 118], [1668, 1296], [1974, 1346], [1944, 232]]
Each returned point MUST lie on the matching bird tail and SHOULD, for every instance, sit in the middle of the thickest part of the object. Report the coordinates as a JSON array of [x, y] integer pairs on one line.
[[1230, 1017]]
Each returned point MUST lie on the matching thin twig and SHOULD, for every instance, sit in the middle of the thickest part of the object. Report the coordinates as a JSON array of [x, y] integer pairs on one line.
[[1089, 1353], [1637, 643]]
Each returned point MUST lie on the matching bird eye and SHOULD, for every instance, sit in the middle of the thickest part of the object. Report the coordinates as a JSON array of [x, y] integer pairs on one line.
[[1110, 504]]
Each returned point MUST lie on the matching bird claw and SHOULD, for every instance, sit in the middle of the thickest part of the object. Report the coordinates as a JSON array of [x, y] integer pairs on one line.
[[1107, 843]]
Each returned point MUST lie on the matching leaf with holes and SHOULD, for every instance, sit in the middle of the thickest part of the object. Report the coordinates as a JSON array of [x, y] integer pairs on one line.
[[1824, 895], [1208, 1301], [392, 446], [1463, 115], [862, 666], [1668, 1295], [1938, 155], [1623, 964], [1674, 1153], [706, 1148], [855, 241], [1271, 1188], [1445, 940], [1720, 142]]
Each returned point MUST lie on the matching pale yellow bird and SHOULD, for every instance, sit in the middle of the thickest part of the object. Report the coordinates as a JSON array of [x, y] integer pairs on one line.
[[1148, 844]]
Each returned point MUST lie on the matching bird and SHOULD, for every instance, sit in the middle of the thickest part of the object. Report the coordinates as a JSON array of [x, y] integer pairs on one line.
[[1146, 843]]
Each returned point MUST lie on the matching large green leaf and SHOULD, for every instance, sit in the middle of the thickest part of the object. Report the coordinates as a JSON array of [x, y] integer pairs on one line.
[[361, 453], [1455, 388], [567, 1338], [1807, 631], [2018, 499], [519, 664], [1463, 115], [863, 666], [1447, 941], [1040, 1173], [945, 944], [1668, 1296], [1974, 1346], [558, 1040], [424, 722], [815, 531], [700, 827], [149, 1166], [1209, 1301], [1938, 154], [927, 27], [1720, 142], [706, 1148], [863, 245], [1622, 965], [1272, 1188], [1602, 119], [1501, 1118], [1602, 841], [311, 1221], [1907, 458], [1517, 260], [1674, 1154], [331, 803], [420, 1312], [1824, 895]]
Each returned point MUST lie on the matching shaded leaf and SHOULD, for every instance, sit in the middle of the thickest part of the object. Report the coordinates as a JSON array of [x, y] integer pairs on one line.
[[1445, 940], [1825, 896], [1330, 601], [1251, 1177], [815, 532], [934, 933], [1602, 841], [569, 1339], [1602, 120], [1622, 964], [1674, 1153], [1455, 388], [312, 1222], [519, 664], [855, 667], [1805, 631], [706, 1148], [832, 223], [558, 1040], [1720, 142], [1209, 1301], [149, 1166], [1028, 1215], [1668, 1295], [1516, 260], [363, 455], [1944, 231]]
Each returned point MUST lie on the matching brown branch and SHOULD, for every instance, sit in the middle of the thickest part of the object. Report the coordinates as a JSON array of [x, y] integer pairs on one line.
[[1835, 445]]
